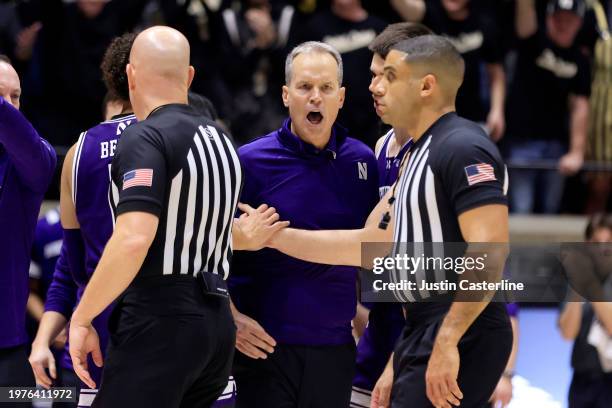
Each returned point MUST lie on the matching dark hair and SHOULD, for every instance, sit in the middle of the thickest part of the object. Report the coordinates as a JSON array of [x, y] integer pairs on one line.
[[597, 221], [113, 65], [4, 58], [394, 33], [436, 52], [202, 105]]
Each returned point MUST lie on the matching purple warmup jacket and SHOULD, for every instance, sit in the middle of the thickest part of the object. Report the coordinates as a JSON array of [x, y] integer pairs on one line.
[[27, 163], [91, 185]]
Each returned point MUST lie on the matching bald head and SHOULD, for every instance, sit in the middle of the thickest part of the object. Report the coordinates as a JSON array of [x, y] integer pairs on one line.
[[159, 70], [10, 88], [161, 51]]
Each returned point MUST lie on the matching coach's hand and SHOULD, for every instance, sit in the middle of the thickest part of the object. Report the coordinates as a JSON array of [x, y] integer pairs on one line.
[[441, 376], [41, 357], [257, 226], [571, 163], [251, 339], [84, 340], [381, 394]]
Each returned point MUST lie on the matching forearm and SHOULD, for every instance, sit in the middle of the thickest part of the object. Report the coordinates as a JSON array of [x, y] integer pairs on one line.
[[409, 10], [526, 23], [579, 125], [120, 262], [238, 239], [515, 341], [51, 325], [603, 311], [341, 247], [570, 320], [35, 306], [32, 157], [458, 319], [498, 87]]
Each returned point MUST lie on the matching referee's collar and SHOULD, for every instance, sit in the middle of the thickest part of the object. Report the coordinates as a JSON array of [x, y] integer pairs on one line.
[[293, 142], [177, 107], [435, 126]]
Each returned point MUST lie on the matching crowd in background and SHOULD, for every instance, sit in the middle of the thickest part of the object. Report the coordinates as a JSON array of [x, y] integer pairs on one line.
[[538, 77]]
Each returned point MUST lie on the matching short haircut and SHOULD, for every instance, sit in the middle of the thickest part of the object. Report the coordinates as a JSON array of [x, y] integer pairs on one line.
[[438, 56], [4, 58], [202, 105], [116, 58], [395, 33], [311, 47], [597, 221]]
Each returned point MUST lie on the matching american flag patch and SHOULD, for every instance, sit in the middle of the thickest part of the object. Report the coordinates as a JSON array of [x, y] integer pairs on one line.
[[138, 178], [477, 173]]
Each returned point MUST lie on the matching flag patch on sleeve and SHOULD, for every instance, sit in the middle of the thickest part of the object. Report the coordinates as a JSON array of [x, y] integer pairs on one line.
[[138, 178], [478, 173]]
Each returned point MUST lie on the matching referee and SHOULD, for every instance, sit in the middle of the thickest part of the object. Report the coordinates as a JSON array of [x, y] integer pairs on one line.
[[179, 178], [449, 353]]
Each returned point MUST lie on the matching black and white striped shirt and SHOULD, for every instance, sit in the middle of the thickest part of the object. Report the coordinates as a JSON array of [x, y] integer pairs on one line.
[[180, 166], [452, 168]]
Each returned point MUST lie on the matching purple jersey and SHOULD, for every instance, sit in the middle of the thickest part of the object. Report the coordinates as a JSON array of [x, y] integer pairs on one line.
[[27, 163], [386, 320]]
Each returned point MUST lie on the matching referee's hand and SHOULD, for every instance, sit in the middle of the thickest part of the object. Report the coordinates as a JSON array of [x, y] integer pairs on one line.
[[84, 340], [251, 339], [441, 376]]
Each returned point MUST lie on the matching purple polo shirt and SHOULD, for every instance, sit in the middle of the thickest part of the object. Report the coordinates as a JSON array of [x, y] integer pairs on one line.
[[297, 302], [27, 163]]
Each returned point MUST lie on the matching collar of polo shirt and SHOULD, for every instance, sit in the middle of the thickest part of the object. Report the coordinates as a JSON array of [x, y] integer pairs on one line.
[[294, 143]]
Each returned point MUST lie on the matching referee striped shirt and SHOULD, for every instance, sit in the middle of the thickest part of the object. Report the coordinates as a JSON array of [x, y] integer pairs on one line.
[[452, 168], [181, 167]]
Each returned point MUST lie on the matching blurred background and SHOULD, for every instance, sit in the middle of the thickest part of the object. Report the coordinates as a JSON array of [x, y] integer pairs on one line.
[[541, 86]]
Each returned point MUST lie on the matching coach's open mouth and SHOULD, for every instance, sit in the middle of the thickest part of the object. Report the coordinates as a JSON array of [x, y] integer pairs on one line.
[[314, 117]]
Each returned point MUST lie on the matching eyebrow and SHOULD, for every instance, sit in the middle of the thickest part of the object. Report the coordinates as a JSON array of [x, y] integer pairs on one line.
[[388, 68]]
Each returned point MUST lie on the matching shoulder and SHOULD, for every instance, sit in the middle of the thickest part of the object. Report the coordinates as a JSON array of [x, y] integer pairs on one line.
[[463, 138], [255, 147], [382, 141], [355, 149]]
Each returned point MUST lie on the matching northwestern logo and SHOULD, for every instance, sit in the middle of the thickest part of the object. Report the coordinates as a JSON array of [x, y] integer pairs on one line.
[[362, 168]]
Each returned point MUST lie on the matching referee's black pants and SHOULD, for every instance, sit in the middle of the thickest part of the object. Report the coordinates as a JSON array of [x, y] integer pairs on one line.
[[483, 351], [170, 346], [296, 377]]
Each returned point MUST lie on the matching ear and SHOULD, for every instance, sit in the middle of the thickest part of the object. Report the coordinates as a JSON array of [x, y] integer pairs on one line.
[[129, 69], [428, 85], [341, 94], [190, 76], [286, 96]]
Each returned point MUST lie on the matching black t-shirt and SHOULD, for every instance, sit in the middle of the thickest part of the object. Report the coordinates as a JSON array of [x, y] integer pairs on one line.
[[585, 360], [351, 39], [479, 42], [454, 167], [538, 98], [180, 167]]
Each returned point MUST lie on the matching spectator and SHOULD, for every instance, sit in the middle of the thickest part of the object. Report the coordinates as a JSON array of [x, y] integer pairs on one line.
[[349, 28], [599, 147], [591, 386], [547, 103], [476, 36]]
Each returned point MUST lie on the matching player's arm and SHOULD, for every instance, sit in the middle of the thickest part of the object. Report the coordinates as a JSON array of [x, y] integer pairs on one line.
[[61, 298], [526, 21], [335, 247], [579, 122], [34, 159], [410, 10]]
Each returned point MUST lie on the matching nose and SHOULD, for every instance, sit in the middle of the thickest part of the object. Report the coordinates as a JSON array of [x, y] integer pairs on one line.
[[315, 96], [375, 87]]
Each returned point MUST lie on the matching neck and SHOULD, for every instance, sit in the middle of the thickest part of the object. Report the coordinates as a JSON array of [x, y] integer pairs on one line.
[[126, 108], [354, 13], [401, 136], [149, 104], [318, 142], [426, 119]]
